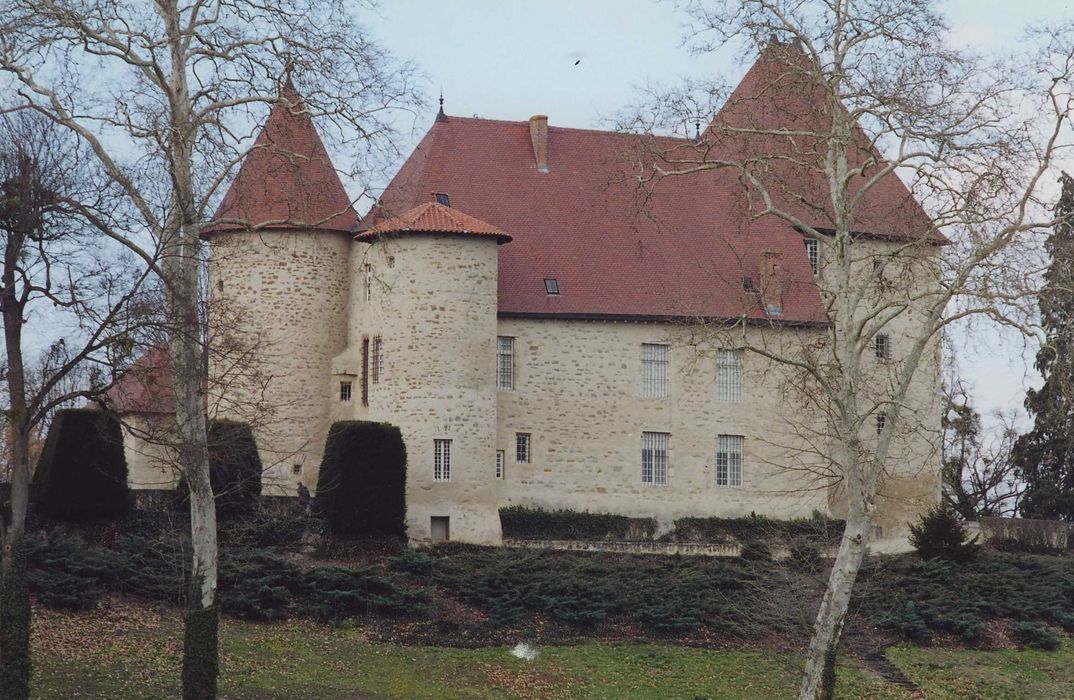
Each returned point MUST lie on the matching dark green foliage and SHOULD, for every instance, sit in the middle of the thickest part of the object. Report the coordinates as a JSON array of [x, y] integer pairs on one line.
[[257, 584], [337, 593], [1044, 456], [267, 530], [414, 562], [66, 573], [361, 489], [806, 556], [82, 471], [234, 470], [756, 550], [1036, 636], [916, 599], [15, 668], [941, 533], [524, 523], [819, 528], [201, 660]]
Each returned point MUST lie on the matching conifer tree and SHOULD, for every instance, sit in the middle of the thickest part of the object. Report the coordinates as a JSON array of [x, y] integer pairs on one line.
[[1044, 457]]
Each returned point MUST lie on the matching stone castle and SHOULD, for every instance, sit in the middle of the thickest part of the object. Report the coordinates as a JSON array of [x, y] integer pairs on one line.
[[528, 315]]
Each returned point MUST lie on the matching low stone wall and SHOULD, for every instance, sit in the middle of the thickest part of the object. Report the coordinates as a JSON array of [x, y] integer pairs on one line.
[[629, 547], [1025, 533]]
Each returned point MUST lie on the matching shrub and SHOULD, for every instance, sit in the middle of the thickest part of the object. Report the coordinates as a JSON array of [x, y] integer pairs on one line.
[[941, 534], [257, 585], [806, 556], [265, 530], [66, 573], [82, 471], [361, 489], [538, 524], [413, 562], [334, 593], [15, 624], [234, 470], [819, 528], [1036, 636]]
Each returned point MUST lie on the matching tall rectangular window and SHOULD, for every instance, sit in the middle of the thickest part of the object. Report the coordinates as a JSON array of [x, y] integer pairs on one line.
[[523, 448], [882, 345], [654, 369], [881, 422], [377, 359], [505, 362], [368, 282], [654, 458], [728, 375], [345, 392], [812, 251], [729, 460], [365, 371], [441, 460], [501, 464]]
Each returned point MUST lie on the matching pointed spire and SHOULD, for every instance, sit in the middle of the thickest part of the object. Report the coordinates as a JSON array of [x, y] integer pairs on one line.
[[287, 177], [440, 116], [697, 131]]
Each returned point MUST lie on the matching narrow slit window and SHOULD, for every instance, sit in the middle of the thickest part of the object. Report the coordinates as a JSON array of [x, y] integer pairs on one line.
[[654, 369], [729, 460], [365, 371], [654, 458], [728, 375], [881, 422], [368, 282], [523, 448], [501, 464], [505, 363], [551, 286], [441, 460]]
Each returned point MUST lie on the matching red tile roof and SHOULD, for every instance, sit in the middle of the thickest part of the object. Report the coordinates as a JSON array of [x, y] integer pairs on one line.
[[679, 247], [146, 387], [432, 217], [286, 178]]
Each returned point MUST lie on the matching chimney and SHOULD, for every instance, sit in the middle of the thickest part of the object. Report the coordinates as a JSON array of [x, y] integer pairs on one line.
[[772, 281], [539, 137]]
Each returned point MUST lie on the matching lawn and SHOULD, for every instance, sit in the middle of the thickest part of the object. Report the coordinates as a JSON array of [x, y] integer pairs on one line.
[[130, 650]]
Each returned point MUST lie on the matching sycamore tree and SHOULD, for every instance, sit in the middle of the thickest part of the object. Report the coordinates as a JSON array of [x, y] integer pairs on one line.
[[850, 108], [168, 95]]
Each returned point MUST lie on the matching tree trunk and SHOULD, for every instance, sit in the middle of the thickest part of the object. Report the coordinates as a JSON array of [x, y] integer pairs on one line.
[[15, 611], [833, 609]]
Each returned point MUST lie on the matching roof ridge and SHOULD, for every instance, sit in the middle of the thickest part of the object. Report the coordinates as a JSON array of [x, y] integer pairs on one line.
[[553, 127]]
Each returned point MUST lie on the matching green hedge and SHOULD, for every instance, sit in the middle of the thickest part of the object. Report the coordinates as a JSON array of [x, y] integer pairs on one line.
[[361, 489], [751, 528], [520, 522], [234, 470], [82, 472]]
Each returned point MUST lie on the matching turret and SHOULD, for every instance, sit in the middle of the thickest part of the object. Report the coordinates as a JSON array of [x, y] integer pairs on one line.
[[430, 331], [278, 281]]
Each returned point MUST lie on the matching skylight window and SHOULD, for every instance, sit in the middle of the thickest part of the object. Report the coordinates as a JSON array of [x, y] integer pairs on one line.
[[551, 286], [442, 198]]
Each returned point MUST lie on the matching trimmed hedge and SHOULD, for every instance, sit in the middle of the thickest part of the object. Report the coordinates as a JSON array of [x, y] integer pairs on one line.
[[819, 528], [536, 524], [361, 489], [234, 470], [82, 472]]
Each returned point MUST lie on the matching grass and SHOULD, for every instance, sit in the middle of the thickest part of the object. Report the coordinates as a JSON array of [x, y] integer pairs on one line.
[[126, 651]]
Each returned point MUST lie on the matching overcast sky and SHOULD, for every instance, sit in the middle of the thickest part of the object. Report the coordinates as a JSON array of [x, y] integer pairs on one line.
[[579, 61]]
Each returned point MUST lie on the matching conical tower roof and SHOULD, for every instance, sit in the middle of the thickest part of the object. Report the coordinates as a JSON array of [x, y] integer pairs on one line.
[[287, 180], [432, 217]]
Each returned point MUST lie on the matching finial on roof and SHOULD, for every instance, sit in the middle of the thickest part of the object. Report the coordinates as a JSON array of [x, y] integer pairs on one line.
[[440, 116], [697, 131], [773, 38]]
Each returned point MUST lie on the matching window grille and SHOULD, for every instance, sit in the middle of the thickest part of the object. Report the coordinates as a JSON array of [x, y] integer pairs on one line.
[[881, 422], [654, 458], [345, 392], [729, 460], [729, 375], [654, 369], [812, 249], [501, 466], [523, 452], [377, 359], [441, 460], [882, 344], [505, 362], [365, 371]]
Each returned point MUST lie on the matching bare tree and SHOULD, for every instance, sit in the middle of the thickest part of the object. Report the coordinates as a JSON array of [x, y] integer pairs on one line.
[[53, 270], [849, 105], [979, 476], [186, 86]]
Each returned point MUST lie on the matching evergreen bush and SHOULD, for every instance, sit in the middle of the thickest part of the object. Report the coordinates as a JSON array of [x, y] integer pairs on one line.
[[361, 489], [82, 471], [15, 668], [819, 528], [66, 573], [537, 524], [941, 534], [1036, 636], [806, 556], [234, 470]]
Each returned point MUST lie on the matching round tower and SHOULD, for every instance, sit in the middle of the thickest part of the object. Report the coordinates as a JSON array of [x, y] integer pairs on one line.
[[431, 322], [278, 289]]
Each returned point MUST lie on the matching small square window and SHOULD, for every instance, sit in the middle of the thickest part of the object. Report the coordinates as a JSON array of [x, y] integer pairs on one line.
[[345, 392], [523, 448], [391, 261], [551, 286], [442, 198], [296, 469], [747, 284], [501, 464], [440, 528]]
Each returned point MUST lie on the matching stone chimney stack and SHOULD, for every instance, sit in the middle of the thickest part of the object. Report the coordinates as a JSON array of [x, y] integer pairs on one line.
[[539, 137], [773, 280]]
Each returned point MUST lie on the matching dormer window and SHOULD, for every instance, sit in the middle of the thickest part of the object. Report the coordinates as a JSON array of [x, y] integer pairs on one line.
[[442, 198], [747, 284], [551, 286]]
